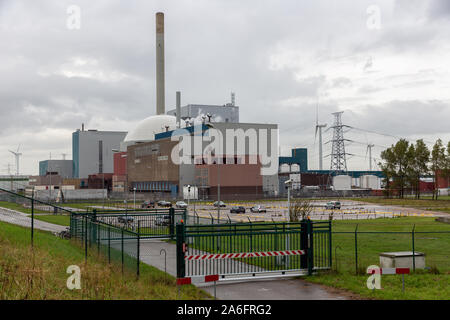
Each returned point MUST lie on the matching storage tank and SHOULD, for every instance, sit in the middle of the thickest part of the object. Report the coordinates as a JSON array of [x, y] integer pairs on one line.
[[284, 167], [342, 182], [370, 182], [295, 167]]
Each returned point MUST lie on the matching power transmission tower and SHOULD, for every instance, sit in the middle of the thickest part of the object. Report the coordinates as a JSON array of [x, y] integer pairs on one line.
[[338, 159]]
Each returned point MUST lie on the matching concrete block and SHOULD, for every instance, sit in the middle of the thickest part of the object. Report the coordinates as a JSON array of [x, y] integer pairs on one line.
[[402, 259]]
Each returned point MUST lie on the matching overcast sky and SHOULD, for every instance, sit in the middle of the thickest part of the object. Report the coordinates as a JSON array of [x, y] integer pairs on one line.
[[386, 64]]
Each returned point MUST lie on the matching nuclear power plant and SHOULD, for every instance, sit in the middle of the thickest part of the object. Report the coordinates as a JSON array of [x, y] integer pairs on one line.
[[141, 159]]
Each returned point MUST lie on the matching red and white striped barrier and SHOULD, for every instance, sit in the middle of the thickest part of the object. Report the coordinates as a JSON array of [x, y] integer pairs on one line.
[[198, 279], [245, 255], [388, 271]]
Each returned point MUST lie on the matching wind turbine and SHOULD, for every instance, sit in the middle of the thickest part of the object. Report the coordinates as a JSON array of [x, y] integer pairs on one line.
[[17, 155], [319, 128], [369, 149]]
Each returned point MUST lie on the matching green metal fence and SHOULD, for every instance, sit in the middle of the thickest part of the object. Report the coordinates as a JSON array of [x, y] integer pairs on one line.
[[355, 250], [253, 248], [116, 244]]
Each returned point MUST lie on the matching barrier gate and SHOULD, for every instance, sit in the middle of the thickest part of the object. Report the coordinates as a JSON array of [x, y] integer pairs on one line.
[[248, 250]]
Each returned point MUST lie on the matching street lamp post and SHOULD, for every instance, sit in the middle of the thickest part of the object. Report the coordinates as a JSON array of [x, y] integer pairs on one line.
[[134, 202], [189, 194]]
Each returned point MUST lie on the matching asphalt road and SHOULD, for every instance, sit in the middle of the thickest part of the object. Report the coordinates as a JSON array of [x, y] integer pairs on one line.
[[272, 289], [22, 219]]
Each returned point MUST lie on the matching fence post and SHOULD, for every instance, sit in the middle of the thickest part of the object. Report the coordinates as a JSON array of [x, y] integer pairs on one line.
[[138, 249], [109, 244], [413, 248], [303, 244], [98, 238], [330, 252], [356, 249], [172, 222], [121, 247], [32, 218], [85, 238], [181, 248], [310, 247]]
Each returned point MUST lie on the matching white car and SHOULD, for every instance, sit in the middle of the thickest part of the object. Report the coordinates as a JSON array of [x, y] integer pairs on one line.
[[181, 204]]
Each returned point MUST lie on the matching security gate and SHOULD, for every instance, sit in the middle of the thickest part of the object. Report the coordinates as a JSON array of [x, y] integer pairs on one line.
[[262, 249]]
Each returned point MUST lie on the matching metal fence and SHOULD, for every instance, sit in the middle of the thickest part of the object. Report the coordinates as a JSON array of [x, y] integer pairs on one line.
[[355, 250], [253, 248], [116, 244]]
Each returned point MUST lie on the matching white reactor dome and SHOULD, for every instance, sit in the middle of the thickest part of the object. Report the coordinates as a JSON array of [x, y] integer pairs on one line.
[[148, 127]]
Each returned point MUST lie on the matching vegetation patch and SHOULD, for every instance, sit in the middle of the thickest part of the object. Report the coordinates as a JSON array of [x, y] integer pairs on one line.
[[40, 273]]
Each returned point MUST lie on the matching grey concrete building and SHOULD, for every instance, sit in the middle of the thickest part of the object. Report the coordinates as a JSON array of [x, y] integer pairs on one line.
[[92, 151], [63, 168]]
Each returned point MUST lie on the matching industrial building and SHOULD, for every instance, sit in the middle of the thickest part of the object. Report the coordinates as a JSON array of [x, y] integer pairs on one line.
[[216, 113], [92, 151], [63, 168], [150, 167]]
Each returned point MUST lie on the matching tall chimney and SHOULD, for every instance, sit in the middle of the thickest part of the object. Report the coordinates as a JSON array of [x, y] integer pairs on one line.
[[160, 96], [178, 110]]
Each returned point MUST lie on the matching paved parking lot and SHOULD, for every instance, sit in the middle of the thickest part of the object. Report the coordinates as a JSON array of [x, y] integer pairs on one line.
[[278, 211]]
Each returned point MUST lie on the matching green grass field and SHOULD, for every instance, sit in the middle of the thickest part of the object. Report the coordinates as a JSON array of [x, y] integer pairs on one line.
[[433, 283], [41, 273], [63, 220]]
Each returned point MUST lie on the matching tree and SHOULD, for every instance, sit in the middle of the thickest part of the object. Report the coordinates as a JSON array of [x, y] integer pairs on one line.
[[445, 171], [300, 210], [396, 166], [419, 155], [438, 160]]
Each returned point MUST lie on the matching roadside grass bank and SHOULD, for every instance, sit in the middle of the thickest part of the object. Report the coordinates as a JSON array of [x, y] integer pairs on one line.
[[62, 220], [388, 235], [40, 273], [18, 207]]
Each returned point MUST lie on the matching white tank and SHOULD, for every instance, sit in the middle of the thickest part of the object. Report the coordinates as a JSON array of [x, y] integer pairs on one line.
[[284, 167], [342, 182], [370, 182], [295, 167]]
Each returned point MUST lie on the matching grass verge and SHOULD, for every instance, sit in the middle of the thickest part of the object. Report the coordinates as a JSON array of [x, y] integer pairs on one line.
[[62, 220], [432, 283], [40, 273]]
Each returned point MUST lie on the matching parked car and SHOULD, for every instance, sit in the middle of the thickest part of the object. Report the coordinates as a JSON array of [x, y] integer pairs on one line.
[[258, 209], [239, 209], [125, 220], [164, 203], [163, 220], [221, 204], [181, 204], [333, 205], [148, 204]]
